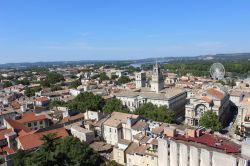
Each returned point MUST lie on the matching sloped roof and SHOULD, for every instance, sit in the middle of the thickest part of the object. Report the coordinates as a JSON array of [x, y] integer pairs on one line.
[[3, 132], [136, 148], [17, 125], [118, 117], [216, 93], [42, 99], [33, 140], [72, 118], [31, 117]]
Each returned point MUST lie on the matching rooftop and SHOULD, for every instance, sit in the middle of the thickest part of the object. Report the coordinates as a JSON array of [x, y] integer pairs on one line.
[[81, 129], [213, 141], [3, 132], [31, 117], [216, 93], [42, 99], [165, 94], [33, 140], [118, 117], [72, 118]]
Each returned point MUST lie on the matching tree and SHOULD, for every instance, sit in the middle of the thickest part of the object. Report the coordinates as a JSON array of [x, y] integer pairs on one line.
[[31, 91], [75, 84], [114, 105], [57, 152], [51, 79], [55, 88], [23, 82], [57, 103], [123, 80], [210, 120], [19, 157], [151, 111], [114, 77], [103, 76], [7, 84], [87, 101]]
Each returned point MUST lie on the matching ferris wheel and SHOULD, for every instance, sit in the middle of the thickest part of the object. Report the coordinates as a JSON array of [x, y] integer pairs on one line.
[[217, 71]]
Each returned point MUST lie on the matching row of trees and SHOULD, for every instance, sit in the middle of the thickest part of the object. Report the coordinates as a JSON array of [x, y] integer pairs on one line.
[[89, 101], [121, 80]]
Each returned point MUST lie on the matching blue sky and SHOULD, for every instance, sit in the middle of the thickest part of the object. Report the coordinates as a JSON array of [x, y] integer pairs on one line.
[[54, 30]]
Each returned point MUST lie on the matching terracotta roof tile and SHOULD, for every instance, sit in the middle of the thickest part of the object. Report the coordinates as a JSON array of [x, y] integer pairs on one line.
[[17, 126], [33, 140], [136, 148], [31, 117], [72, 118], [216, 93], [8, 150], [140, 125], [3, 132], [42, 99]]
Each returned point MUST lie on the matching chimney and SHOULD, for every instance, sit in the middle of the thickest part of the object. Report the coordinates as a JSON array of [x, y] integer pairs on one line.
[[191, 133]]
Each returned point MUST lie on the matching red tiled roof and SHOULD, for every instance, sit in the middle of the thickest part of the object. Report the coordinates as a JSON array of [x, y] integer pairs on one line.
[[42, 99], [31, 117], [17, 125], [8, 150], [212, 141], [3, 132], [216, 93], [33, 140], [72, 118]]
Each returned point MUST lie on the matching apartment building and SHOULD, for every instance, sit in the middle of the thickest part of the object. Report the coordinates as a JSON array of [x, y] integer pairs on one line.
[[118, 126]]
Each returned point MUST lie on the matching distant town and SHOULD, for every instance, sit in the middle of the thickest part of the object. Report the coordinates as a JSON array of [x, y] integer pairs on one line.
[[192, 111]]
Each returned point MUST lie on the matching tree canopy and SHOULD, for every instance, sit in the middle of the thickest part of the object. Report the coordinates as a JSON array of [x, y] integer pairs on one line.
[[151, 111], [52, 78], [114, 105], [7, 84], [123, 80], [31, 91], [75, 84], [68, 151], [210, 120], [103, 76], [87, 101]]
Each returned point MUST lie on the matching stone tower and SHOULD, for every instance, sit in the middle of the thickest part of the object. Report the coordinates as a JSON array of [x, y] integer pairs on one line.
[[157, 82], [140, 80]]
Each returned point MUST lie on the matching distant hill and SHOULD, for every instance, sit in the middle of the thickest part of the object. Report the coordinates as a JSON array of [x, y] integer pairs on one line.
[[226, 56], [232, 56]]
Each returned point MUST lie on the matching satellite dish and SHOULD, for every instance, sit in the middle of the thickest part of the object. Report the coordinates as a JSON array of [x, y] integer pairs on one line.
[[217, 71]]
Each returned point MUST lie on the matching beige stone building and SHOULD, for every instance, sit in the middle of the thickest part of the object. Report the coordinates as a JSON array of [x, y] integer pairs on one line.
[[212, 99], [118, 126]]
